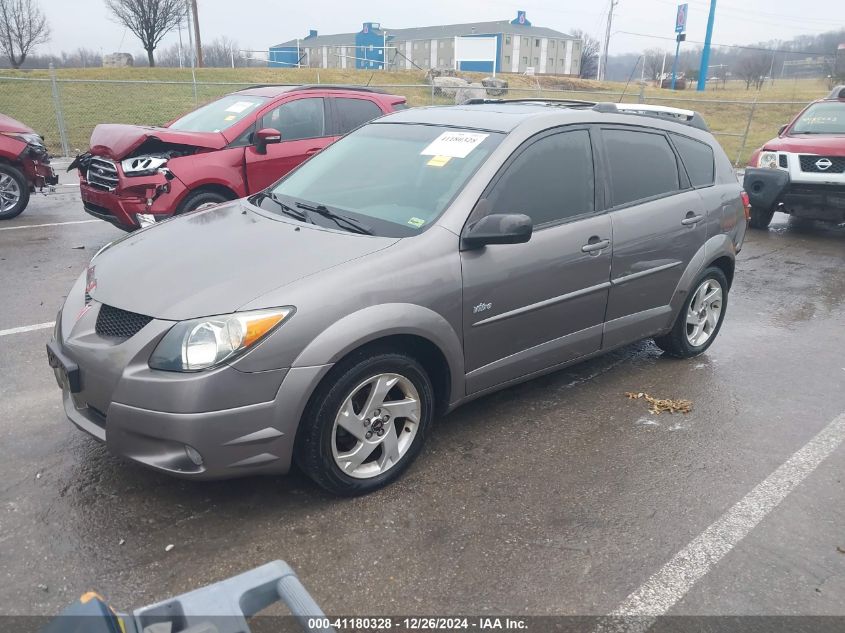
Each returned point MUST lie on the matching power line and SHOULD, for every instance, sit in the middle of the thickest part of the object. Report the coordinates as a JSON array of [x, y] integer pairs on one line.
[[746, 48]]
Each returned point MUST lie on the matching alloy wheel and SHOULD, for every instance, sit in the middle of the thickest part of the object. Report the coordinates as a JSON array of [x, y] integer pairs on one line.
[[10, 193], [376, 425], [704, 312]]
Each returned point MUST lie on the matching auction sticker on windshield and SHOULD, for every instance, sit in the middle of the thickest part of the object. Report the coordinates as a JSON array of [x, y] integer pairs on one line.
[[454, 144]]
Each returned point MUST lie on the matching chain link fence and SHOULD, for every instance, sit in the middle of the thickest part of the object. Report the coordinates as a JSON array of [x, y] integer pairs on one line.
[[65, 111]]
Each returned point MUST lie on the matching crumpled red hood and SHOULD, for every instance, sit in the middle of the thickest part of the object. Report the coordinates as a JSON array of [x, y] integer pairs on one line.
[[809, 144], [117, 141], [8, 124]]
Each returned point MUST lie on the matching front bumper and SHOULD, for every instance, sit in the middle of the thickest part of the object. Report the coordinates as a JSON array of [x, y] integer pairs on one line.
[[238, 423], [39, 173], [774, 188], [132, 196]]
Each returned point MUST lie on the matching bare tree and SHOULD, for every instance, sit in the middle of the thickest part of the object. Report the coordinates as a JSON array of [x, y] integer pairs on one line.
[[149, 20], [221, 52], [653, 62], [589, 54], [752, 67], [22, 27]]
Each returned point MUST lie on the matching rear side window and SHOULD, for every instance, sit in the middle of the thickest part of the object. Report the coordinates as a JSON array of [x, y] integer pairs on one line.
[[354, 112], [642, 165], [302, 118], [697, 158], [551, 180]]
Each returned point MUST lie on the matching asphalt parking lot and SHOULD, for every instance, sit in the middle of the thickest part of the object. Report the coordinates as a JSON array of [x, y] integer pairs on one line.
[[559, 496]]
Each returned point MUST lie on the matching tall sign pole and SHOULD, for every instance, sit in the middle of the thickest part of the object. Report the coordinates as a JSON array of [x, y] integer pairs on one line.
[[705, 54], [680, 27]]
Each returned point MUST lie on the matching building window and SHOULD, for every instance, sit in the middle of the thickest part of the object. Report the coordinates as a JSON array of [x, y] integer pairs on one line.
[[536, 61], [551, 61], [525, 60], [537, 43], [526, 42], [507, 39], [507, 60]]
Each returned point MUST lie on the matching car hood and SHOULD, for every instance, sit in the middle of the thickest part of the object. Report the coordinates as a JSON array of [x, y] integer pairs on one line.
[[8, 124], [117, 141], [215, 261], [809, 144]]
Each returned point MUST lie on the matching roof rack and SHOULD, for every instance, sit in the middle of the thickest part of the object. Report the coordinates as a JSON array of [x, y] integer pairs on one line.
[[316, 87], [836, 94], [678, 115], [572, 103]]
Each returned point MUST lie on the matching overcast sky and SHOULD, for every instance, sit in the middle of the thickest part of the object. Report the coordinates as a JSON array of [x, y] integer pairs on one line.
[[257, 24]]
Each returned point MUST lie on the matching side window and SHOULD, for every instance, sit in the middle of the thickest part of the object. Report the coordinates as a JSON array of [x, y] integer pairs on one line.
[[642, 165], [354, 112], [302, 118], [551, 180], [697, 158]]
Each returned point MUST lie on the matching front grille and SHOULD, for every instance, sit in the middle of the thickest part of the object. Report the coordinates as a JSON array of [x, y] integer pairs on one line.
[[809, 164], [782, 161], [102, 173], [119, 323]]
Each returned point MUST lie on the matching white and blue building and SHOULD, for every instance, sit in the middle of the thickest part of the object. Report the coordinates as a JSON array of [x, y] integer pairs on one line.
[[515, 46]]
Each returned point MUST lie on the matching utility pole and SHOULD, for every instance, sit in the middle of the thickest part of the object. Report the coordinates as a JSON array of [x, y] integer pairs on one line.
[[603, 65], [197, 32]]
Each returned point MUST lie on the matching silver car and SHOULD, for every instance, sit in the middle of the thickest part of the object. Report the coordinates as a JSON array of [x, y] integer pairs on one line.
[[428, 258]]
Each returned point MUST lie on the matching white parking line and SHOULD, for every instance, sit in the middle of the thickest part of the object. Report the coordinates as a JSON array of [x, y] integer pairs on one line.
[[672, 582], [35, 226], [26, 328]]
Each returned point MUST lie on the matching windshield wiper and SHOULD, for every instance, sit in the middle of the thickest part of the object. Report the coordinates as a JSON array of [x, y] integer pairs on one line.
[[287, 209], [351, 224]]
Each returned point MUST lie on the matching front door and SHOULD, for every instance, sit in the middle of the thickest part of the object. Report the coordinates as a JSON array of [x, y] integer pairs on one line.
[[528, 307], [659, 225], [302, 124]]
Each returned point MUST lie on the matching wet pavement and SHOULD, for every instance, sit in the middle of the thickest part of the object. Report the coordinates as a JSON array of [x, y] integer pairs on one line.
[[559, 496]]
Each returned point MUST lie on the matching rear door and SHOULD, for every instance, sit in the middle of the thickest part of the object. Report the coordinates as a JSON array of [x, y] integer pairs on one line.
[[528, 307], [303, 124], [349, 113], [658, 224]]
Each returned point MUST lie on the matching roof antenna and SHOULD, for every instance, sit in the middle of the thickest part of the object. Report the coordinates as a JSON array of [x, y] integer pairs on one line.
[[630, 77]]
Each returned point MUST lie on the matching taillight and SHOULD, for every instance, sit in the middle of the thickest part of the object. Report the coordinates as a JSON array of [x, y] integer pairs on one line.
[[746, 205]]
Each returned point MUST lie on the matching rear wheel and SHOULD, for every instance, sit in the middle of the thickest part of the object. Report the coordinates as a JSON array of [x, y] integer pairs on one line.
[[761, 218], [366, 424], [14, 192], [700, 319], [199, 200]]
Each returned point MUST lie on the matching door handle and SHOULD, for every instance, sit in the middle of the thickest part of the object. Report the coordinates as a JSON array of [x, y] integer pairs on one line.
[[312, 151], [692, 219], [595, 245]]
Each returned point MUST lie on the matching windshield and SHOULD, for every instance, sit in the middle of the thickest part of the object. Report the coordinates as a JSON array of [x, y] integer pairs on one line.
[[218, 115], [821, 118], [395, 178]]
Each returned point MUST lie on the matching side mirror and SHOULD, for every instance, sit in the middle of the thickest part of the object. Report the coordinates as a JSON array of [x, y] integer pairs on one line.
[[266, 136], [782, 129], [497, 228]]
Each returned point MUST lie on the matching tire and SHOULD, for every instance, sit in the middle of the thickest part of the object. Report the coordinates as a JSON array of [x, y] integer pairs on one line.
[[198, 199], [680, 342], [14, 192], [323, 440], [761, 218]]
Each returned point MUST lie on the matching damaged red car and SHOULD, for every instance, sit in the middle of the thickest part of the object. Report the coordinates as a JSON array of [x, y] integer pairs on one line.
[[133, 176], [24, 166]]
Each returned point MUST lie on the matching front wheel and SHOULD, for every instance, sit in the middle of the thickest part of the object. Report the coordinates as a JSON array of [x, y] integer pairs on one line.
[[700, 319], [367, 422], [199, 200], [761, 218], [14, 192]]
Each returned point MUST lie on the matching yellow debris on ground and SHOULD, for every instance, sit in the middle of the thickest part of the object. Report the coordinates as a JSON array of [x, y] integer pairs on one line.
[[661, 405]]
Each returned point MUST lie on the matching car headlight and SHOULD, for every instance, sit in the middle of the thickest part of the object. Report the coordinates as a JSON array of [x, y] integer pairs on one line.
[[142, 165], [768, 160], [207, 342]]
